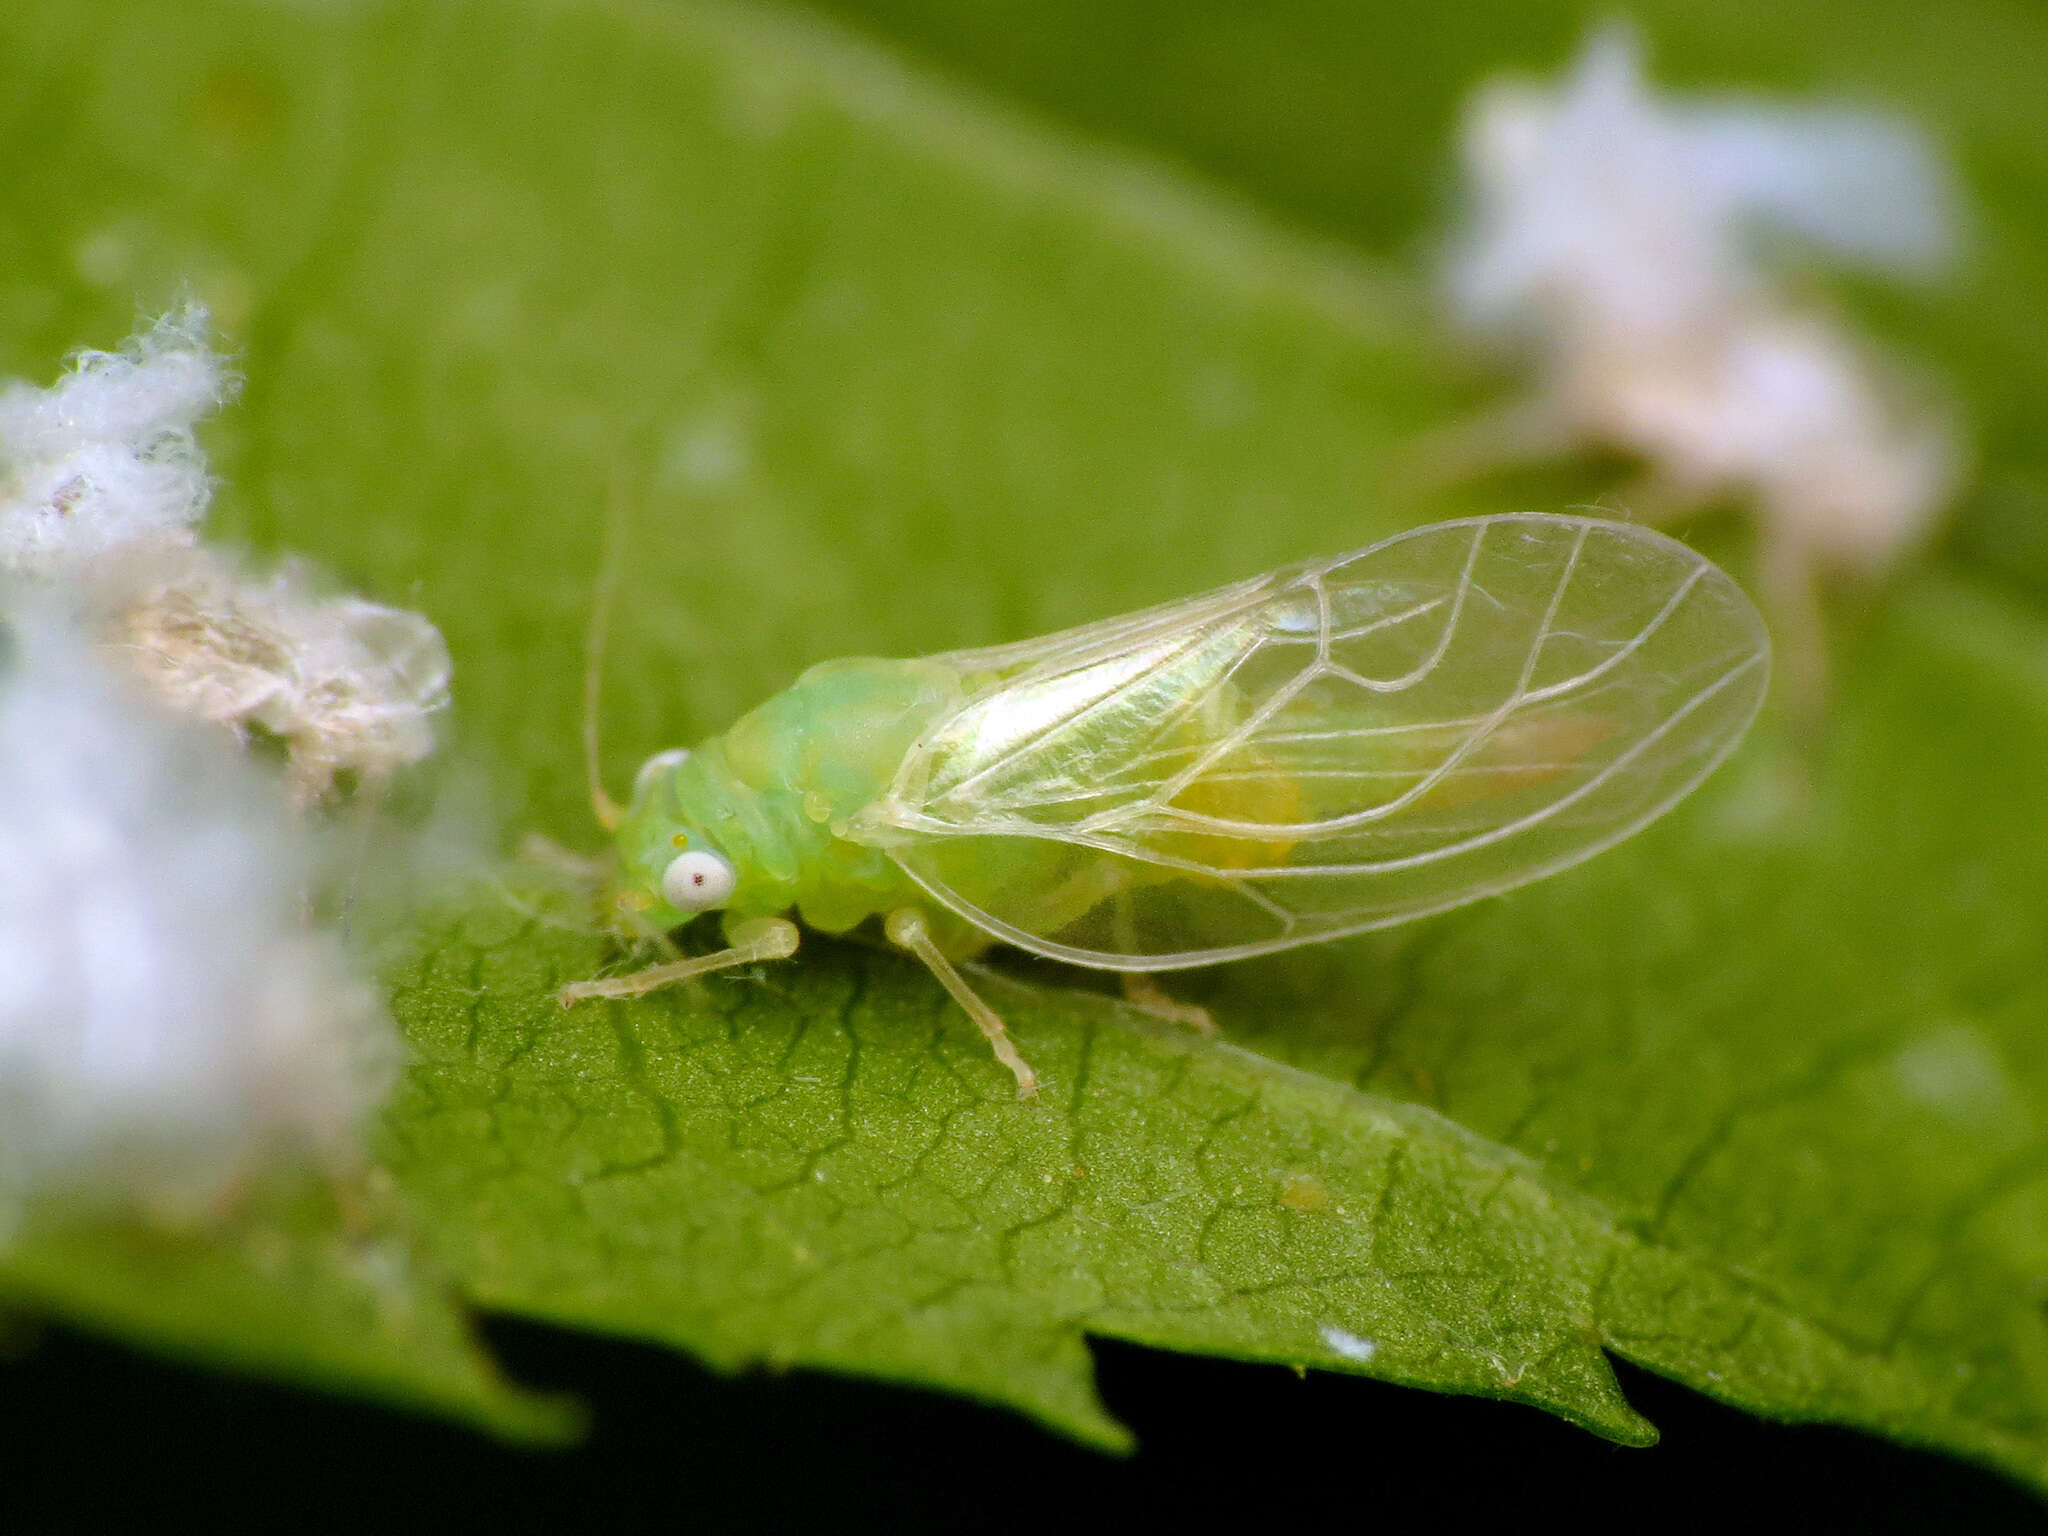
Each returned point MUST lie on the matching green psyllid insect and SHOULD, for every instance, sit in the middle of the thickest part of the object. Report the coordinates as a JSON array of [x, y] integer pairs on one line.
[[1336, 746]]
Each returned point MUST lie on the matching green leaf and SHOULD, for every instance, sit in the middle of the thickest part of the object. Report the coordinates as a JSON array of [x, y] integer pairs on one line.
[[826, 1167], [286, 1282], [875, 366], [1737, 1112]]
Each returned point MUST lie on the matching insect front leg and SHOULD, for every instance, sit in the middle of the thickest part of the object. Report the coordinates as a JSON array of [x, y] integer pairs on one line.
[[908, 928], [763, 938], [592, 873]]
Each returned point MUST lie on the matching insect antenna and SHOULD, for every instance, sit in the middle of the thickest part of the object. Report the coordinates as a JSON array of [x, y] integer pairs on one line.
[[607, 810]]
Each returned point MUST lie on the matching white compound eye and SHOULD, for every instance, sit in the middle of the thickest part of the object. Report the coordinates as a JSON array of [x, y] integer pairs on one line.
[[697, 881], [656, 766]]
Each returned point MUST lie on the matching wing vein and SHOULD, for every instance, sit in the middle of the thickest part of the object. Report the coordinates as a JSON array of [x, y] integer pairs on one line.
[[1582, 677]]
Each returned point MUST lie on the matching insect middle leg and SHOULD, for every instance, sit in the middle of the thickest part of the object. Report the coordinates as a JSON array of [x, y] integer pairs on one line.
[[908, 928], [1792, 598], [1520, 432], [767, 938]]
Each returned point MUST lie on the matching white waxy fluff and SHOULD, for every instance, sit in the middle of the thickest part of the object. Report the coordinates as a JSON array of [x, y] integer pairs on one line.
[[106, 457], [167, 1016], [345, 684], [104, 490], [1598, 204], [1630, 246]]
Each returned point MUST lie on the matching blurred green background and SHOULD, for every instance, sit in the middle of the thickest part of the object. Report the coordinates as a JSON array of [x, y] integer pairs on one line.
[[1341, 119], [922, 326]]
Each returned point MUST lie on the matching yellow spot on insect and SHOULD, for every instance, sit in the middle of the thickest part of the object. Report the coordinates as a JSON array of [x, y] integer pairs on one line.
[[681, 840], [635, 901], [1280, 762], [1303, 1192]]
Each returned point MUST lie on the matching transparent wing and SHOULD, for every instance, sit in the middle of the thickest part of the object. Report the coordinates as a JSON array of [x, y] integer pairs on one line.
[[1335, 747]]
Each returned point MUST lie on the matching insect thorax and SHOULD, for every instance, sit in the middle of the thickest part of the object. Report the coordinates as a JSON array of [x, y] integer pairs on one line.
[[778, 793]]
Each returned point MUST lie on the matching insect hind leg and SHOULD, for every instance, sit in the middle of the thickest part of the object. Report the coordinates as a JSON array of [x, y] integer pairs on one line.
[[908, 929], [1148, 997], [1140, 990]]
